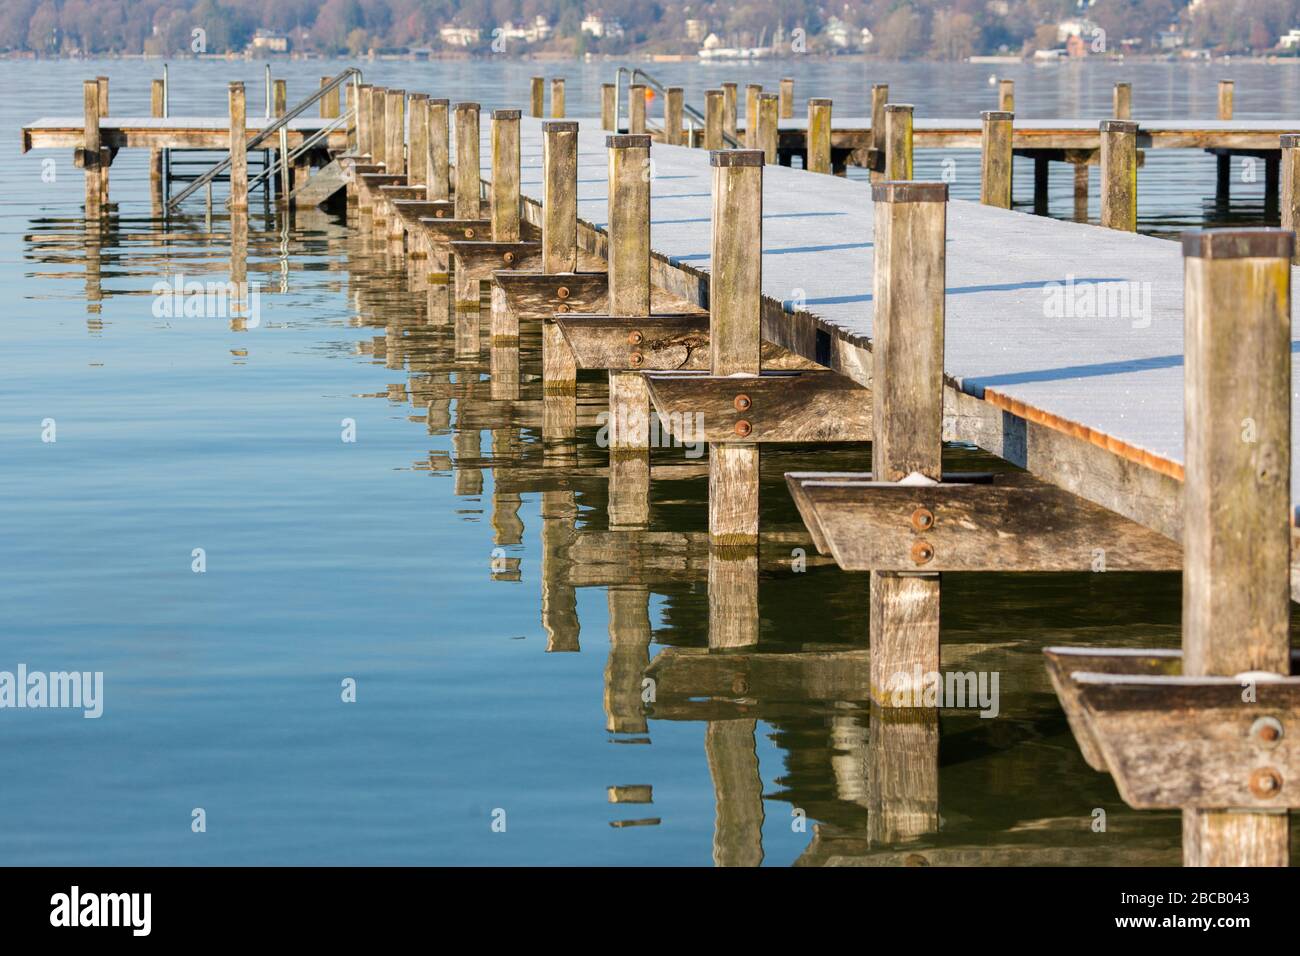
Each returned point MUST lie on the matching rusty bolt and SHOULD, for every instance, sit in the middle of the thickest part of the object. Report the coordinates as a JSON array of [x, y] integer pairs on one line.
[[561, 308], [743, 428], [469, 233], [922, 519], [743, 403], [440, 213], [1266, 731], [509, 258], [739, 685], [922, 552], [636, 359], [1265, 782], [635, 338], [562, 292]]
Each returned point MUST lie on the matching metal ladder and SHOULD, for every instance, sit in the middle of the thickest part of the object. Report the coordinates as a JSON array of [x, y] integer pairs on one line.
[[692, 115]]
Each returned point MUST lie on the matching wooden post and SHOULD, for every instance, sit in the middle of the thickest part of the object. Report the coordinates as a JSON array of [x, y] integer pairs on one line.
[[537, 94], [787, 98], [155, 155], [395, 130], [467, 161], [1119, 175], [559, 255], [279, 98], [505, 175], [1290, 174], [417, 160], [636, 108], [90, 148], [105, 156], [673, 116], [364, 146], [608, 106], [102, 88], [729, 109], [379, 125], [1006, 95], [629, 295], [1081, 192], [768, 117], [995, 158], [1237, 494], [1225, 99], [329, 102], [557, 97], [898, 142], [735, 308], [1122, 101], [238, 149], [752, 92], [1042, 170], [907, 400], [819, 136], [879, 100], [439, 150], [714, 104]]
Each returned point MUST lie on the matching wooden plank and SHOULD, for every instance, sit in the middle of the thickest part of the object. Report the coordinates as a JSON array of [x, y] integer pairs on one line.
[[692, 672]]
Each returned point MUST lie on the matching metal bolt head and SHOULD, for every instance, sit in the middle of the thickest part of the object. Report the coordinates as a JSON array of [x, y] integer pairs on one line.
[[562, 292], [469, 233], [743, 403], [922, 552], [635, 338], [743, 428], [922, 519], [1266, 731], [440, 214], [636, 359], [509, 258], [562, 307], [740, 685], [1265, 782]]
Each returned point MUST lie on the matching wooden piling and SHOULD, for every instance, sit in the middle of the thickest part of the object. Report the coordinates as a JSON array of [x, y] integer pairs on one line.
[[467, 161], [439, 150], [379, 125], [101, 83], [787, 98], [673, 132], [898, 142], [1290, 176], [505, 176], [819, 135], [1122, 101], [329, 102], [536, 97], [1226, 88], [90, 152], [714, 104], [417, 159], [735, 307], [1006, 96], [752, 92], [1236, 494], [557, 97], [636, 108], [629, 295], [768, 118], [996, 158], [907, 402], [559, 255], [364, 146], [609, 106], [395, 131], [1119, 175], [729, 109], [879, 100], [105, 156], [279, 98], [157, 92], [238, 149]]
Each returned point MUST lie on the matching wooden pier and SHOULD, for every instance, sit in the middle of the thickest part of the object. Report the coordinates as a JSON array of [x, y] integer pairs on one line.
[[1143, 393]]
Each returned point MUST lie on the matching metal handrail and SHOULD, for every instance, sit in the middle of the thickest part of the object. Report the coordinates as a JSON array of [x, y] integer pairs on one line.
[[351, 73], [273, 168], [659, 87]]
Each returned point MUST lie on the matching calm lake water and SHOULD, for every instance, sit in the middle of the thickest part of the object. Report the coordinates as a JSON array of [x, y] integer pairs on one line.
[[373, 559]]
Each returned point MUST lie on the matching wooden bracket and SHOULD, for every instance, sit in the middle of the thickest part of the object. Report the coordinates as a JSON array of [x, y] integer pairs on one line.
[[652, 342], [449, 230], [401, 191], [1004, 522], [775, 406], [478, 260], [537, 295], [1175, 742], [378, 180]]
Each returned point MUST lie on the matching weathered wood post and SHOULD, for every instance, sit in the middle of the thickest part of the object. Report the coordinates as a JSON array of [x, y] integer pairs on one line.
[[735, 309], [673, 116], [329, 102], [156, 95], [1122, 101], [105, 154], [768, 119], [629, 295], [1226, 88], [996, 158], [819, 136], [907, 400], [395, 131], [417, 159], [91, 150], [559, 255], [752, 92], [1290, 175], [557, 97], [505, 176], [379, 126], [467, 161], [536, 97], [238, 149], [364, 146], [1006, 96], [714, 104], [1119, 175], [787, 98], [279, 98], [608, 106], [1237, 494], [439, 150], [729, 109], [636, 108], [898, 142], [879, 100]]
